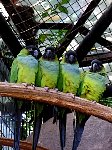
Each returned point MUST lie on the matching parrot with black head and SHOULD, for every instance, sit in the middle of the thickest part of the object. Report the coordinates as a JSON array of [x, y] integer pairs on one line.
[[24, 69], [92, 87], [69, 80], [47, 77]]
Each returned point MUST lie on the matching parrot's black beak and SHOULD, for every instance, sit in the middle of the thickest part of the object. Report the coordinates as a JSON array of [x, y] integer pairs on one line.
[[48, 53], [71, 59], [96, 67], [36, 53]]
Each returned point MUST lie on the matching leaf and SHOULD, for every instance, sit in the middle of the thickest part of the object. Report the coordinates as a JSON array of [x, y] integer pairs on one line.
[[63, 9], [45, 14], [43, 37], [65, 2], [54, 12]]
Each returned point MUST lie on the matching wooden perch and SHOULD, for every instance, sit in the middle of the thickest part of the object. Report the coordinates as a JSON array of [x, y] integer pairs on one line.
[[53, 97], [23, 144]]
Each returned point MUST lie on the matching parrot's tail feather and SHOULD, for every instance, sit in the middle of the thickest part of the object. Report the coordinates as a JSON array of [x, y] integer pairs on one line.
[[55, 114], [18, 120], [62, 129], [78, 129], [77, 136], [37, 128]]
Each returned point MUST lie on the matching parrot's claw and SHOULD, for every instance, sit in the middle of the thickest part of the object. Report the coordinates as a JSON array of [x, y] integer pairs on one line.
[[33, 86], [25, 84], [46, 89], [56, 89], [71, 95], [6, 81], [94, 102]]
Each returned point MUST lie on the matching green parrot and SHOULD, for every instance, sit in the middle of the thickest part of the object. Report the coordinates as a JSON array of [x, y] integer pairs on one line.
[[92, 87], [24, 69], [69, 80], [47, 77]]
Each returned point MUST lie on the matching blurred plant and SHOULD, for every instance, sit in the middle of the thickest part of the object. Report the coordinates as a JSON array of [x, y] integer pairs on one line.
[[106, 101], [52, 37], [27, 123], [56, 9], [6, 55]]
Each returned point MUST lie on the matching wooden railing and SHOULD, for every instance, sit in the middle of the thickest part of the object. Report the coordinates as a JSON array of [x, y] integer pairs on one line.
[[52, 97], [24, 145]]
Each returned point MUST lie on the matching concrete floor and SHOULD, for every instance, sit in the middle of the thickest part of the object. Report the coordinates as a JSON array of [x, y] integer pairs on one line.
[[97, 135]]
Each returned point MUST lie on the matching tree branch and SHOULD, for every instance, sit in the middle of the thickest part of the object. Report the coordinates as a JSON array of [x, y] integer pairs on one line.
[[23, 144], [53, 97]]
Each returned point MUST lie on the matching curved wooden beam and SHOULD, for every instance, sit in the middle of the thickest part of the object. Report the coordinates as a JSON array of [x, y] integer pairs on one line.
[[23, 144], [57, 98]]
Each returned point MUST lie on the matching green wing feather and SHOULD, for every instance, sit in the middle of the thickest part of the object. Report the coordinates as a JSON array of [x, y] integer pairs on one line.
[[82, 75], [38, 76], [60, 79], [14, 72], [92, 87]]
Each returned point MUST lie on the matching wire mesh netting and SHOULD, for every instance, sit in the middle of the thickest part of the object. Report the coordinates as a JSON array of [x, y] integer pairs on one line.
[[59, 23]]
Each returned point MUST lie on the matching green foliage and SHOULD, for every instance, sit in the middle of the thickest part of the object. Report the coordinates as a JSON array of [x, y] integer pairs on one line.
[[45, 14], [51, 38], [27, 124], [63, 9], [54, 36], [42, 38], [57, 8], [6, 55], [65, 1], [106, 101]]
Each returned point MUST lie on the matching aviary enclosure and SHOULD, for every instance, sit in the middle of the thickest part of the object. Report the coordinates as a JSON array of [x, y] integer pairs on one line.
[[83, 26]]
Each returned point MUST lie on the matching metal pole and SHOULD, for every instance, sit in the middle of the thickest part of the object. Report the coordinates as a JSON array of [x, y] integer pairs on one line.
[[8, 36], [73, 32], [96, 32]]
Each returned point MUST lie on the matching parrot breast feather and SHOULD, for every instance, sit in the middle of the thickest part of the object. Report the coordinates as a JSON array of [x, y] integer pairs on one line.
[[49, 73], [14, 71], [71, 77]]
